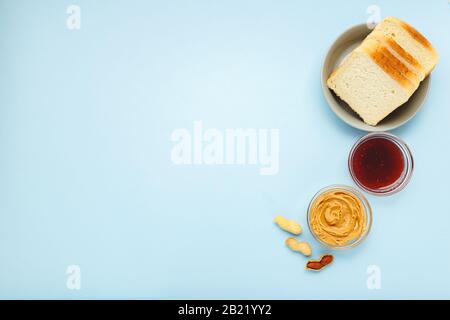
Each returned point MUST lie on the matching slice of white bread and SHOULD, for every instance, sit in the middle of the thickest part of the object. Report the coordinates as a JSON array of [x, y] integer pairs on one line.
[[367, 88], [384, 71]]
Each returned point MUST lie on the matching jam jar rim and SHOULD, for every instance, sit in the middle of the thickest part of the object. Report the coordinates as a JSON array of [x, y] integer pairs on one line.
[[408, 164]]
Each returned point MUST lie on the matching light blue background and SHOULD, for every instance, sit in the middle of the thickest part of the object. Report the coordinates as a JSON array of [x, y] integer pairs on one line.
[[85, 170]]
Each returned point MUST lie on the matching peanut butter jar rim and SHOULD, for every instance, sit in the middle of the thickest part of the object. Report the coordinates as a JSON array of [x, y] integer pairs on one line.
[[367, 211]]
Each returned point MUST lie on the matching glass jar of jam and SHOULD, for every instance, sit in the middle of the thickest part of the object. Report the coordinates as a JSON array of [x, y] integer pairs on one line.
[[380, 163]]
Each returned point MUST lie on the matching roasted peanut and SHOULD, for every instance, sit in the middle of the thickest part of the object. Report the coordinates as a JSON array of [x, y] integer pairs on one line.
[[288, 225], [302, 247], [319, 265]]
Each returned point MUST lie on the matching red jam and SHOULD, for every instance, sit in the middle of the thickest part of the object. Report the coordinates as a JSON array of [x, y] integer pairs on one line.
[[377, 163]]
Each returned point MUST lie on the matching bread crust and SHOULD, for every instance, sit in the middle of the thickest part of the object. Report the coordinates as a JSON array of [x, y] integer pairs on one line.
[[416, 35]]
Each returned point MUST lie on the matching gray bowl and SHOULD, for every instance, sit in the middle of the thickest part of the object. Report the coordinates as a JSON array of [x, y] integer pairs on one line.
[[348, 41]]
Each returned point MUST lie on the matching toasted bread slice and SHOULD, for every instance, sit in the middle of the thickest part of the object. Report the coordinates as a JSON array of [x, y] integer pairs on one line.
[[401, 54], [392, 65], [411, 41]]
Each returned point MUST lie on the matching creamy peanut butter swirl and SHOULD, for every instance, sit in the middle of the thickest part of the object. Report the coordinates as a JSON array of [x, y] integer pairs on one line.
[[337, 217]]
